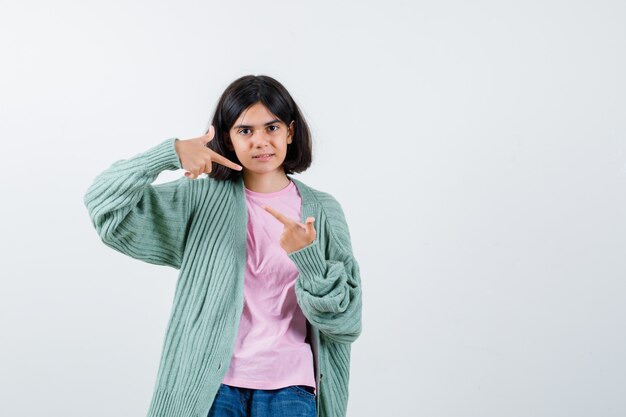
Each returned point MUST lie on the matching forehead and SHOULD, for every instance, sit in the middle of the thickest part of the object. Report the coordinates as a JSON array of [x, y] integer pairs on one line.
[[256, 115]]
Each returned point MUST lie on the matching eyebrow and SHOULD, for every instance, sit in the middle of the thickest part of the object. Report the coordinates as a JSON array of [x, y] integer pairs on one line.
[[249, 126]]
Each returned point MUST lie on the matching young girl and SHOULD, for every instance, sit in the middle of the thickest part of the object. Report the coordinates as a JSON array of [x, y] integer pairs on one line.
[[268, 297]]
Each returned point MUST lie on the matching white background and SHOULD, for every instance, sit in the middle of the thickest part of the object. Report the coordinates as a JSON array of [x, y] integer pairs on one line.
[[477, 148]]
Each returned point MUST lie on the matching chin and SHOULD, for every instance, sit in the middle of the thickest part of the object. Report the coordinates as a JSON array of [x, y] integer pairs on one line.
[[266, 170]]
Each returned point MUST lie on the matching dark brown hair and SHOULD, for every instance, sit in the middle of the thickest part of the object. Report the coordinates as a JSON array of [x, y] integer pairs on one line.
[[240, 95]]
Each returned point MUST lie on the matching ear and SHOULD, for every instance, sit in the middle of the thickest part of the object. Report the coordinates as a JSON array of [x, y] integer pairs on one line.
[[291, 130]]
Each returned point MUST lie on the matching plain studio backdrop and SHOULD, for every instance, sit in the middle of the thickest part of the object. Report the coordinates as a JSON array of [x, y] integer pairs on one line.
[[478, 150]]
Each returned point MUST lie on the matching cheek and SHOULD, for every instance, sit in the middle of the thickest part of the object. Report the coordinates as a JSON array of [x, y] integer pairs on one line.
[[238, 146], [281, 144]]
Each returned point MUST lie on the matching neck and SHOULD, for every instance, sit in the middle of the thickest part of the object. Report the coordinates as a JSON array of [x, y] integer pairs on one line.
[[265, 183]]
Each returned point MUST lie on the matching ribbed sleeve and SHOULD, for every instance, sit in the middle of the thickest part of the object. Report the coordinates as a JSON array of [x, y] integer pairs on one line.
[[144, 221], [329, 284]]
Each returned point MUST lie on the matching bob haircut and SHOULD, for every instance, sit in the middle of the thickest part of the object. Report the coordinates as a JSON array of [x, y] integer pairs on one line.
[[243, 93]]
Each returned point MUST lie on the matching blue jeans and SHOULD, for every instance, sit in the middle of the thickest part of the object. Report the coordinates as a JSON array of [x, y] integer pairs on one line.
[[291, 401]]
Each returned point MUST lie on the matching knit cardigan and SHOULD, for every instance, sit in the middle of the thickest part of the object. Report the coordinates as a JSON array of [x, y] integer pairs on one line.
[[199, 227]]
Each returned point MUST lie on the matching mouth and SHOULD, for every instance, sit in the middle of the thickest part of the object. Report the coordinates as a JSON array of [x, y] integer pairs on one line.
[[265, 155]]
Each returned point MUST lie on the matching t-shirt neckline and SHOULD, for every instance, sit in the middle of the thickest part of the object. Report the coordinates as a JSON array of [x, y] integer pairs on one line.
[[272, 194]]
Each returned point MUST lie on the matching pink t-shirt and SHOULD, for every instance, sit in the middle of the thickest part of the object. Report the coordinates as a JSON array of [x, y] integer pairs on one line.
[[270, 350]]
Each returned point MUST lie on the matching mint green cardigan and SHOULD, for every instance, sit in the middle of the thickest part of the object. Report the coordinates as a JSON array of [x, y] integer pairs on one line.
[[199, 228]]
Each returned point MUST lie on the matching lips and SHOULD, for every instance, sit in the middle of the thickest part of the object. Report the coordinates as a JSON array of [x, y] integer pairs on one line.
[[263, 155]]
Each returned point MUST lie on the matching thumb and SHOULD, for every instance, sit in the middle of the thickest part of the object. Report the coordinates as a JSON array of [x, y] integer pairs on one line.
[[310, 230], [208, 136]]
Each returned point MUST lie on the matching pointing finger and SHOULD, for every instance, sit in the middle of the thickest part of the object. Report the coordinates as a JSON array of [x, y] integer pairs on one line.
[[222, 160], [279, 216]]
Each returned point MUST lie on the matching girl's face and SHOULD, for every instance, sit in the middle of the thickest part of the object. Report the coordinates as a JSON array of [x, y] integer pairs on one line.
[[257, 132]]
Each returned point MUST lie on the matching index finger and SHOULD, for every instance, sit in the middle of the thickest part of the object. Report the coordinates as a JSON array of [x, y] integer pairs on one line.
[[279, 216], [222, 160]]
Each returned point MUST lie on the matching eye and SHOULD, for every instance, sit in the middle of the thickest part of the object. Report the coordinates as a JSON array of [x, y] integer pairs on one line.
[[241, 130], [274, 126]]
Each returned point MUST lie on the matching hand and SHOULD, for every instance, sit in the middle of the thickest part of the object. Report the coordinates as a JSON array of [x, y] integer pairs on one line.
[[295, 234], [196, 157]]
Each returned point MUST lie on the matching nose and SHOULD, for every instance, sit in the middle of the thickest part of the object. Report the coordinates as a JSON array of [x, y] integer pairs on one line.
[[261, 138]]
